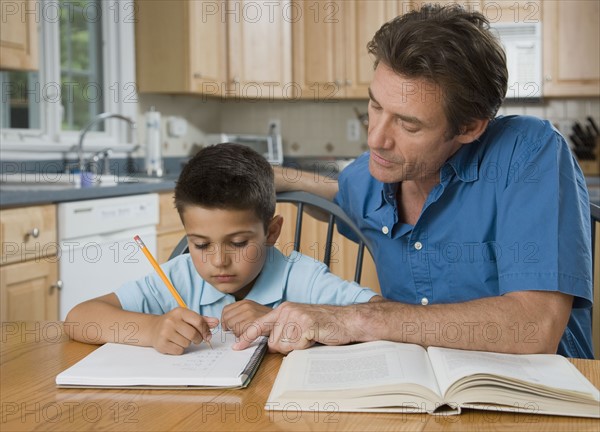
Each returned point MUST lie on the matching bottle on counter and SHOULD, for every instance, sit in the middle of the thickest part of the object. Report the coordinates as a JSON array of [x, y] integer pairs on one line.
[[153, 161]]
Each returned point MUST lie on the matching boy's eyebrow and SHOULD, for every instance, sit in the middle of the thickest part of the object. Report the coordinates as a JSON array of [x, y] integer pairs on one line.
[[409, 119], [228, 235]]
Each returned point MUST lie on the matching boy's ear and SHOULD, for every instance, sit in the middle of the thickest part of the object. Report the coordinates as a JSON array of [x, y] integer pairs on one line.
[[472, 131], [274, 230]]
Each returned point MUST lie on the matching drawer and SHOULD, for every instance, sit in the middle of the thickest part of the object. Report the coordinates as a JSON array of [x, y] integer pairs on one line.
[[27, 233], [169, 218]]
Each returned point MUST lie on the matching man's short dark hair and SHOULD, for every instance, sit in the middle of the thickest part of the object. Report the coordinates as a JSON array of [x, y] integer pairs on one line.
[[227, 176], [452, 48]]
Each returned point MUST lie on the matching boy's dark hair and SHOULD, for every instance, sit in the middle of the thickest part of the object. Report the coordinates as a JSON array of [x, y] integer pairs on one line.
[[452, 48], [227, 176]]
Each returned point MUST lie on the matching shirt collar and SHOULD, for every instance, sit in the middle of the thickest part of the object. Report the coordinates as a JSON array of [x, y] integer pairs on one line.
[[210, 294], [270, 285], [464, 163]]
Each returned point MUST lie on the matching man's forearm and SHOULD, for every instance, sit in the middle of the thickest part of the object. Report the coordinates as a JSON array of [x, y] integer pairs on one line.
[[292, 179], [500, 324]]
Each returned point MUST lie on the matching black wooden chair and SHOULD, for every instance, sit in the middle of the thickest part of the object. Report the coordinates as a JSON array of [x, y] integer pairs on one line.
[[304, 200]]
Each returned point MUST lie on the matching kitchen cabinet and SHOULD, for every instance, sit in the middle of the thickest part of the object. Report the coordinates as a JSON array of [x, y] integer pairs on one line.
[[19, 35], [29, 286], [169, 230], [329, 44], [235, 48], [571, 43], [314, 232], [180, 47], [510, 11], [259, 50]]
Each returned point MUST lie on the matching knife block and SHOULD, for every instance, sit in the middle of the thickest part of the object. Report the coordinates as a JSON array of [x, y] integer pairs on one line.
[[591, 167]]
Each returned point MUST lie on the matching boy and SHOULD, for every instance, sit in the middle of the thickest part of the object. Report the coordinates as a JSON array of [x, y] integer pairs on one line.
[[225, 197]]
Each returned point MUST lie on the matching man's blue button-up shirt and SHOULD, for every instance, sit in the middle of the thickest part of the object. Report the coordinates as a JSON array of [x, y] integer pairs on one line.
[[511, 213]]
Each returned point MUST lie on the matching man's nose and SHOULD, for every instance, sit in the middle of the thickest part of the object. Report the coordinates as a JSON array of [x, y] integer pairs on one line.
[[379, 135]]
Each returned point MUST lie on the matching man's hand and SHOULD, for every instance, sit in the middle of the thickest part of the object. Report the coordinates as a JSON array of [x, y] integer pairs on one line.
[[177, 329], [298, 326], [238, 315]]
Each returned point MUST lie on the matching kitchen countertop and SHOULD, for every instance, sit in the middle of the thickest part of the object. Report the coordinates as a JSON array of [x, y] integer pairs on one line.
[[10, 197]]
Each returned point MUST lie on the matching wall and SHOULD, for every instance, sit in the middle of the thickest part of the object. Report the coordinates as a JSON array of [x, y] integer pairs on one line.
[[311, 128]]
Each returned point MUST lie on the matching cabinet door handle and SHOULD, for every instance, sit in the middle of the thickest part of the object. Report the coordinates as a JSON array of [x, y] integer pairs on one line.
[[197, 75], [35, 233], [58, 285]]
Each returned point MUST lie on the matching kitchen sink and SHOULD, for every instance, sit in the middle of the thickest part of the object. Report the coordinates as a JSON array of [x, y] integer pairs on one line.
[[62, 181]]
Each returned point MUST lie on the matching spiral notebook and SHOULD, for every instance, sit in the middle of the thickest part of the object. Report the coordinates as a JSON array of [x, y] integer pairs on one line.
[[127, 366]]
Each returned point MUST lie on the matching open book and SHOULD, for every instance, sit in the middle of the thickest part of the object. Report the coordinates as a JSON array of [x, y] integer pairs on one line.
[[126, 366], [396, 377]]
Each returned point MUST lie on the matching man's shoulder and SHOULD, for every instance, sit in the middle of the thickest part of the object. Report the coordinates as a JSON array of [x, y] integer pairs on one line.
[[521, 127], [520, 137]]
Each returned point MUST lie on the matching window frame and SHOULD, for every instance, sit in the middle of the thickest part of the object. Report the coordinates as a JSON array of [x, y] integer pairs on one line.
[[118, 86]]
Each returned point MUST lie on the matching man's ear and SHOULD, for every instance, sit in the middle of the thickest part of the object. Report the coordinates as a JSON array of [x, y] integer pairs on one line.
[[274, 230], [472, 131]]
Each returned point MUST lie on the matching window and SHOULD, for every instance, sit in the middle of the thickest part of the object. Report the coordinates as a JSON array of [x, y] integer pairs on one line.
[[86, 68], [80, 65], [19, 108]]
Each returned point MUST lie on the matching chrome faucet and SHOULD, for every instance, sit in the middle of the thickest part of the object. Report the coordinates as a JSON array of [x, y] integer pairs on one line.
[[99, 118]]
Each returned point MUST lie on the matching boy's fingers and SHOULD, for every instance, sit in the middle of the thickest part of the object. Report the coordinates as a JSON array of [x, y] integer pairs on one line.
[[201, 324], [253, 331]]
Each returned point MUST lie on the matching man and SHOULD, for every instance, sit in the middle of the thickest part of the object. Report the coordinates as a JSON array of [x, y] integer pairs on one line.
[[480, 225]]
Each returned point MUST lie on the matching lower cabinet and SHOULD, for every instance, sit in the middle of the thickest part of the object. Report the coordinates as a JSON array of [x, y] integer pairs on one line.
[[166, 243], [169, 229], [29, 285], [30, 291]]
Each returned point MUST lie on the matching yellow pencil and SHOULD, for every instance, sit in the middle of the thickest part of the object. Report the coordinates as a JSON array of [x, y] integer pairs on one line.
[[162, 275]]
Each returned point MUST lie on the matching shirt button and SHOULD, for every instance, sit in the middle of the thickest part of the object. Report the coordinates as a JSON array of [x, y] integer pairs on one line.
[[424, 301], [418, 245], [385, 230]]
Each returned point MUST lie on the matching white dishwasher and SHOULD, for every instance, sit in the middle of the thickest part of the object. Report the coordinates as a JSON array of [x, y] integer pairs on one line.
[[97, 250]]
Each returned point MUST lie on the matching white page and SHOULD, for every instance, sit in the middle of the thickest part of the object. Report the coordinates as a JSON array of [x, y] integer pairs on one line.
[[359, 366], [128, 365], [545, 369]]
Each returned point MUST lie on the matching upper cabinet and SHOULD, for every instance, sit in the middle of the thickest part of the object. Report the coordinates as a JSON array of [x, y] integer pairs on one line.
[[18, 35], [330, 58], [571, 48], [180, 47], [234, 48], [259, 42], [511, 11], [316, 49]]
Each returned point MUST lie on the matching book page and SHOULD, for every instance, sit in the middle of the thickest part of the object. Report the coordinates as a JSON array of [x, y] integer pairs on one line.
[[550, 370], [128, 365], [358, 366]]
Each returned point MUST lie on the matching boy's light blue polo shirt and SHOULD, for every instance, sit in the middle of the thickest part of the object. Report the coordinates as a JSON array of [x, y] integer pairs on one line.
[[297, 278], [511, 213]]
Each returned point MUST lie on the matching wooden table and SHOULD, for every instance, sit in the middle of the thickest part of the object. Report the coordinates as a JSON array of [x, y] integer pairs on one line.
[[34, 353]]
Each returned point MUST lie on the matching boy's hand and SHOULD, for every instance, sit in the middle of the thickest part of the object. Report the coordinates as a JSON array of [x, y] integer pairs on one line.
[[177, 329], [238, 315]]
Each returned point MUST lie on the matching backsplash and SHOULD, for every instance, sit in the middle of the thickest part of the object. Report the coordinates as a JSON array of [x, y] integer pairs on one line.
[[311, 128]]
